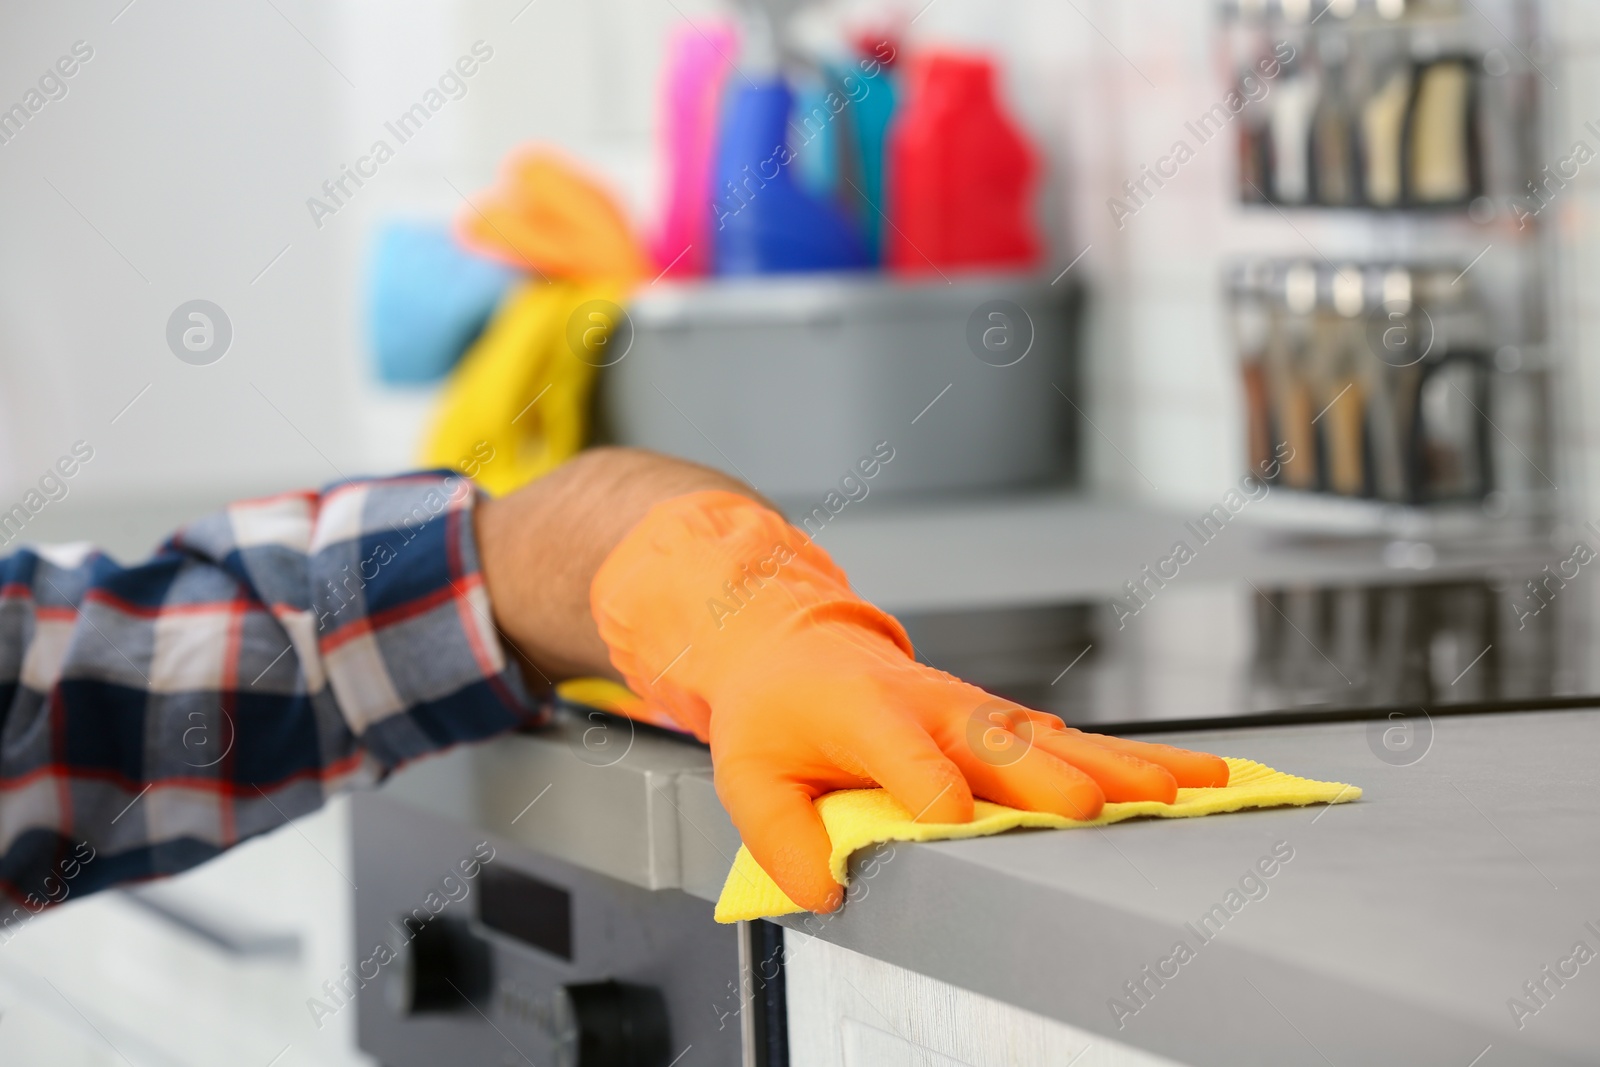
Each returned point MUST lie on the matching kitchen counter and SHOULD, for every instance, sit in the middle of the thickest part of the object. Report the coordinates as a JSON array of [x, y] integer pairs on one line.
[[1014, 548], [1393, 929]]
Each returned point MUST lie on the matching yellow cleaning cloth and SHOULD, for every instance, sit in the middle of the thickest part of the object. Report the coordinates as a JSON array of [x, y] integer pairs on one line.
[[858, 818], [518, 405], [519, 401], [616, 698]]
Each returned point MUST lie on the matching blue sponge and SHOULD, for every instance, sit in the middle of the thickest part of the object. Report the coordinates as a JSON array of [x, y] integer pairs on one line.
[[428, 299]]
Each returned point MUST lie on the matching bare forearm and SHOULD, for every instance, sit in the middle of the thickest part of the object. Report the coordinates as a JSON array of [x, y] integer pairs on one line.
[[541, 546]]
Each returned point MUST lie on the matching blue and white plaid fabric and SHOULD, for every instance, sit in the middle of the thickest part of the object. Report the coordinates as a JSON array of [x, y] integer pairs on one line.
[[152, 716]]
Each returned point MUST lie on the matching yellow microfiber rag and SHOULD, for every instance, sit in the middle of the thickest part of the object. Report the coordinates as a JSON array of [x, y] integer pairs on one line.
[[605, 695], [517, 406], [521, 390], [859, 818]]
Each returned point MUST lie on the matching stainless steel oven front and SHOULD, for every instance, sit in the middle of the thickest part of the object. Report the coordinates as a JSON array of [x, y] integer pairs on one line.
[[471, 950]]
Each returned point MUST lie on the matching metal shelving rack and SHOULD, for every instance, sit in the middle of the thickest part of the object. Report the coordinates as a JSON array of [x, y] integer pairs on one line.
[[1497, 237]]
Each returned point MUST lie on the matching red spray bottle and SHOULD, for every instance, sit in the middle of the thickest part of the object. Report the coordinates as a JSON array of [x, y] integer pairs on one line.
[[961, 174]]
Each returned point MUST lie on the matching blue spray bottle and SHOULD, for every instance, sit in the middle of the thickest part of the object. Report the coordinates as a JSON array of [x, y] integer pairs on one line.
[[762, 221]]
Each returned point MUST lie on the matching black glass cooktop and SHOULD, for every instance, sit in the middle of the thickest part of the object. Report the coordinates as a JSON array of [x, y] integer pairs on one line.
[[1236, 654]]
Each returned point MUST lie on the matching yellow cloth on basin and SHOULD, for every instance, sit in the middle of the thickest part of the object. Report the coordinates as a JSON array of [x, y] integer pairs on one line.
[[518, 405], [858, 818]]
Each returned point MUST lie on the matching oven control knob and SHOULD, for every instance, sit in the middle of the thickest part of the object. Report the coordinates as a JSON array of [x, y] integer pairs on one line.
[[443, 967], [611, 1024]]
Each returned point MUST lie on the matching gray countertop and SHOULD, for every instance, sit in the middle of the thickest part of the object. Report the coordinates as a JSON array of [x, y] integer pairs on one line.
[[1396, 932], [1049, 547], [1018, 548]]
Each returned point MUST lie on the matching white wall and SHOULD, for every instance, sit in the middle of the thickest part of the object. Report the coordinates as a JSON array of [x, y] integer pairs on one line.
[[176, 160], [189, 143]]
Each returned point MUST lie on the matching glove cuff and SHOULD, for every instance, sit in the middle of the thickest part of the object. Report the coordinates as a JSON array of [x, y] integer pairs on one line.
[[705, 586]]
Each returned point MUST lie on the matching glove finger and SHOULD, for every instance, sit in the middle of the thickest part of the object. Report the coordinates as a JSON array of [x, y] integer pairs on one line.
[[899, 755], [1193, 770], [1026, 777], [780, 826], [1120, 776]]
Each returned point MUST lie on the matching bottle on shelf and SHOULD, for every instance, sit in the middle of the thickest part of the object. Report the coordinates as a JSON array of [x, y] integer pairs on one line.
[[1383, 122], [1333, 157], [961, 174], [1441, 157], [1383, 114], [1292, 105], [1351, 370]]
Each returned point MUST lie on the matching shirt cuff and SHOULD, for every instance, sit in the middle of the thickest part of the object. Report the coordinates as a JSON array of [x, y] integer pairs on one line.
[[403, 622]]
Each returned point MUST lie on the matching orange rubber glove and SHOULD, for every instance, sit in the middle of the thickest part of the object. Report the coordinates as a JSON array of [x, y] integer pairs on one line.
[[547, 215], [734, 624]]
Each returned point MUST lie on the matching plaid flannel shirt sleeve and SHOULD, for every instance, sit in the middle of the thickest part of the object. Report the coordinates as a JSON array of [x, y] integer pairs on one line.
[[267, 656]]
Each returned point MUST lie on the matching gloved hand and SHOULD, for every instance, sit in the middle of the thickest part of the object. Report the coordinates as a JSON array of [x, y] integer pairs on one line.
[[734, 624]]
